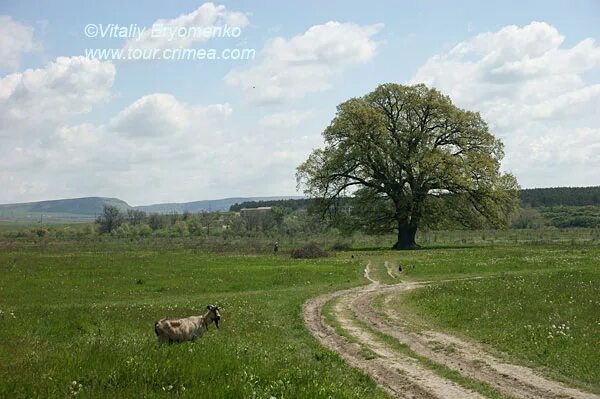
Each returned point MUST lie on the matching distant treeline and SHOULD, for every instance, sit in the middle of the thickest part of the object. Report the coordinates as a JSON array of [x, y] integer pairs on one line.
[[530, 197], [556, 196], [292, 204], [557, 207]]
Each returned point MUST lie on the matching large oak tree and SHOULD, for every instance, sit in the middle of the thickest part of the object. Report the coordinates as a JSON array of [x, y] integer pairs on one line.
[[409, 157]]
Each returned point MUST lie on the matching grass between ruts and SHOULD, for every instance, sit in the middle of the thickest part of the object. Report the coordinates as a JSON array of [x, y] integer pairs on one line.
[[81, 323]]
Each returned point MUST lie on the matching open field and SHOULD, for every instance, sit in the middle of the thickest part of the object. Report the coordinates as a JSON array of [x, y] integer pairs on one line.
[[71, 315], [83, 311], [82, 237]]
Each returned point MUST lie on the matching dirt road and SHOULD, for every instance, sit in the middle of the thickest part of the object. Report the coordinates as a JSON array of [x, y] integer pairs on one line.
[[410, 364]]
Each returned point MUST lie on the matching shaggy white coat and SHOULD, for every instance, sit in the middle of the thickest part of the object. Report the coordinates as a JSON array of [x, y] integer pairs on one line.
[[186, 329]]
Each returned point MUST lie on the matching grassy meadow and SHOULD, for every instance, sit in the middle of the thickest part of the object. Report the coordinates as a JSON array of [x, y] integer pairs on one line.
[[80, 323], [540, 304], [76, 317]]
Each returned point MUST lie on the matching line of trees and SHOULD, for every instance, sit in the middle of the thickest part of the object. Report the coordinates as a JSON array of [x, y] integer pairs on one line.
[[278, 221], [529, 197], [572, 196], [136, 222]]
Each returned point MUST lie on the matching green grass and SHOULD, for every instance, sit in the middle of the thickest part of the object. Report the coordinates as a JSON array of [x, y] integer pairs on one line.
[[327, 311], [469, 261], [83, 311], [541, 307], [81, 323]]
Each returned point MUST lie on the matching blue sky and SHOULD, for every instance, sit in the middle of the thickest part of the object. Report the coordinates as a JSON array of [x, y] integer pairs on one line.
[[180, 130]]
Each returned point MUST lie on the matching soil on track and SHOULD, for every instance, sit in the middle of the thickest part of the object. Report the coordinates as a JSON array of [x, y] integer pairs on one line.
[[400, 373]]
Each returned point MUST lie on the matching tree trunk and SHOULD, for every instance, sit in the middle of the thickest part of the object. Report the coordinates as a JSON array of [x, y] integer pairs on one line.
[[406, 236]]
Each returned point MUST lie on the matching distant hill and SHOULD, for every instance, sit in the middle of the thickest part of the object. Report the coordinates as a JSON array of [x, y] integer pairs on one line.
[[206, 205], [65, 209], [83, 209]]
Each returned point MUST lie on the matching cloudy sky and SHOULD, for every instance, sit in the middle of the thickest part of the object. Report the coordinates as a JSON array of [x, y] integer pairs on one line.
[[74, 123]]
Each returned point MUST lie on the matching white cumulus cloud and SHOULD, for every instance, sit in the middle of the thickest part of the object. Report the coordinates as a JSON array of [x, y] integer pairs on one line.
[[162, 114], [44, 97], [17, 39], [186, 30], [533, 92], [288, 69]]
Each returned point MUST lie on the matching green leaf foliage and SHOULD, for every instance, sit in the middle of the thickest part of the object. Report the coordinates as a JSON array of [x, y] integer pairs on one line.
[[409, 158]]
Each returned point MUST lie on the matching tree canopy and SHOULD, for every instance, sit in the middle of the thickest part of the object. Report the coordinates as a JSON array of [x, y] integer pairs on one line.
[[410, 158]]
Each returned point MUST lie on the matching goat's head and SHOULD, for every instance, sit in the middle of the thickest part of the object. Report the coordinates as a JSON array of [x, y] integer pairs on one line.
[[214, 314]]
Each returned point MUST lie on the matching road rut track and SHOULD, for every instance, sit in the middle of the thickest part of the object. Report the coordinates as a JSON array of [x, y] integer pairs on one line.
[[404, 376]]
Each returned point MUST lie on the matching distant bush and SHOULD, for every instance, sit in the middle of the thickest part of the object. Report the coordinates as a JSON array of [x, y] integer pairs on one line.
[[124, 230], [156, 221], [88, 229], [110, 219], [309, 251], [180, 229], [144, 230], [41, 232]]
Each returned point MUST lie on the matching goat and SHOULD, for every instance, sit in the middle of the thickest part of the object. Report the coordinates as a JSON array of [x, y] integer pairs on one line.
[[187, 329]]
